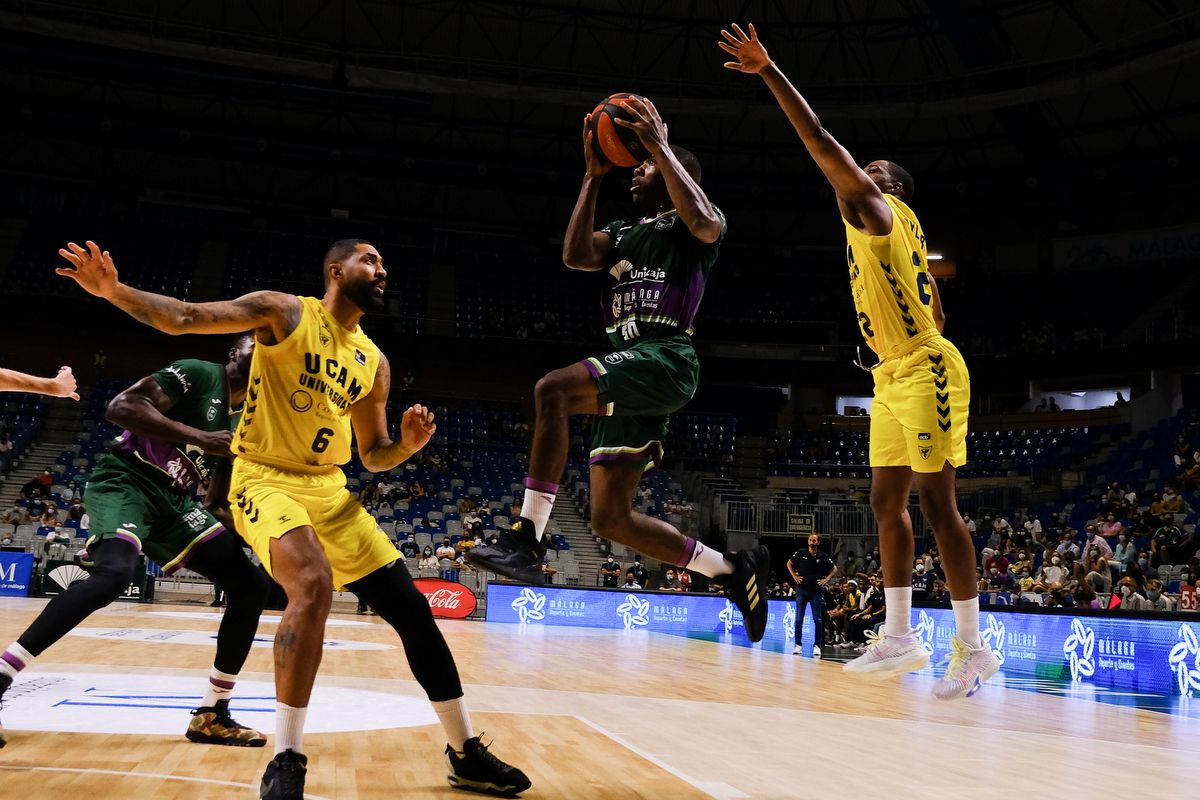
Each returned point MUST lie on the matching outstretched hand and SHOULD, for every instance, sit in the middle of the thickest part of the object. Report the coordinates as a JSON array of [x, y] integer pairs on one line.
[[595, 164], [416, 428], [63, 384], [647, 124], [91, 268], [747, 49]]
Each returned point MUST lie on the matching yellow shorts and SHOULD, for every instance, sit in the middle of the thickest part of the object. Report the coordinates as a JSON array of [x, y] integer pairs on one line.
[[919, 415], [268, 502]]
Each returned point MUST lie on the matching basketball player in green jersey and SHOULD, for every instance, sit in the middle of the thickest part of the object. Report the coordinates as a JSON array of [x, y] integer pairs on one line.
[[659, 265], [922, 389]]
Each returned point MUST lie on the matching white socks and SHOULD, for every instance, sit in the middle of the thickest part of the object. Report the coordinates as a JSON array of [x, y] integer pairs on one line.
[[14, 659], [289, 728], [707, 561], [455, 721], [897, 618], [219, 687], [539, 502], [966, 620]]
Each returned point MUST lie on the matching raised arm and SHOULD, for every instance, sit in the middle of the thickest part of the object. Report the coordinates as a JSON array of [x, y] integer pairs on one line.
[[142, 409], [271, 315], [859, 199], [583, 248], [61, 385], [689, 199], [378, 451]]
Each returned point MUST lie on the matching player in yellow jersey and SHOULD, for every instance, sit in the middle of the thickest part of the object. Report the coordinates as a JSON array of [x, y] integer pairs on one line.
[[922, 388], [314, 377]]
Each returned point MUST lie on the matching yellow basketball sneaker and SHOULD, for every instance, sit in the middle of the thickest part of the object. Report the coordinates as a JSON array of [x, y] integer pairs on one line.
[[970, 668]]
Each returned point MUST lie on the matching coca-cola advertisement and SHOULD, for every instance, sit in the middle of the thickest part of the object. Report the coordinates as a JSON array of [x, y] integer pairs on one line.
[[447, 598]]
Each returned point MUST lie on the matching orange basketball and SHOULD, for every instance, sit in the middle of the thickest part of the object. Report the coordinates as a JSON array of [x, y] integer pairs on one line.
[[618, 145]]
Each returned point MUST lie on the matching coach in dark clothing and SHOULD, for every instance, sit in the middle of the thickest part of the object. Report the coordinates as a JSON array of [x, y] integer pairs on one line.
[[811, 570]]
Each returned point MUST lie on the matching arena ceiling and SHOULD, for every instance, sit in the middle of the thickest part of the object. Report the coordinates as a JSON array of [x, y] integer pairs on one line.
[[401, 100]]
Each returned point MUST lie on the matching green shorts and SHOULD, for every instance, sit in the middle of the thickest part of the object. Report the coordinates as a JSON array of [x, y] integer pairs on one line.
[[639, 388], [124, 503]]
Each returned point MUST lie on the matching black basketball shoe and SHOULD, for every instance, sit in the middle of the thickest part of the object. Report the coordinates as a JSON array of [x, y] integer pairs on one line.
[[747, 588], [477, 770], [517, 555], [5, 682], [284, 778]]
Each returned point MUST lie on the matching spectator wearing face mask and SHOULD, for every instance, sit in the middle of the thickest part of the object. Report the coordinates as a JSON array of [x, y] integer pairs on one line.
[[428, 560], [610, 573], [1053, 573], [1096, 542], [1130, 599], [1085, 596], [996, 563], [1126, 553], [670, 583], [1158, 601], [1111, 527], [1098, 574], [1023, 566], [409, 548], [922, 582]]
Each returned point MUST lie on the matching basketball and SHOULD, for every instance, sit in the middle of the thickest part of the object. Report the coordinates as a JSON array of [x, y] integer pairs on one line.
[[618, 145]]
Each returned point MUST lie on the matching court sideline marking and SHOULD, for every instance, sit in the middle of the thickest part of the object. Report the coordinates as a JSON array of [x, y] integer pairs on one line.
[[160, 776]]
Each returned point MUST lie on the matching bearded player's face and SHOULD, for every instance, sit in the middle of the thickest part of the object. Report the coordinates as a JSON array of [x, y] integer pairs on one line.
[[364, 279]]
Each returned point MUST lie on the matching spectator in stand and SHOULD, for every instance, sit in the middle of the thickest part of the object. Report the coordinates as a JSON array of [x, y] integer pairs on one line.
[[630, 581], [1183, 451], [16, 515], [1053, 406], [548, 569], [472, 524], [1131, 496], [1053, 573], [922, 581], [684, 580], [996, 563], [1066, 544], [46, 480], [75, 511], [872, 614], [1127, 590], [1172, 500], [1161, 557], [515, 508], [1170, 536], [610, 572], [1115, 494], [1085, 596], [445, 549], [853, 564], [1125, 554], [465, 506], [49, 517], [1111, 527], [1032, 527], [416, 489], [1157, 600], [401, 492], [873, 562], [368, 496], [1097, 572], [1000, 581], [839, 617], [1041, 407], [428, 560], [1096, 542], [6, 448], [409, 548], [940, 595], [970, 523], [640, 573], [1023, 566], [669, 582]]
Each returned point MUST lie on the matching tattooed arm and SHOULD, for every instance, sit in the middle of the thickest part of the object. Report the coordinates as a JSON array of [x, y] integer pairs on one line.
[[378, 451], [272, 315]]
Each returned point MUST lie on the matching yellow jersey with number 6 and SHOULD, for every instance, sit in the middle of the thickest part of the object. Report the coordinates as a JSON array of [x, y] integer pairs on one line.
[[297, 411], [889, 279]]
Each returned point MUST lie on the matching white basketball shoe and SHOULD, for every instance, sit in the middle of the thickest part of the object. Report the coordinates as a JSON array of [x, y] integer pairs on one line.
[[970, 668], [888, 656]]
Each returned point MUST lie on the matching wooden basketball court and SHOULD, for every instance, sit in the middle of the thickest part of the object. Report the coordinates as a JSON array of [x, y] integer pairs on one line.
[[586, 713]]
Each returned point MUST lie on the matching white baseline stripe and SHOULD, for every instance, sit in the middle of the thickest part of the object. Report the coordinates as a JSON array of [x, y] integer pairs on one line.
[[143, 775], [721, 791]]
